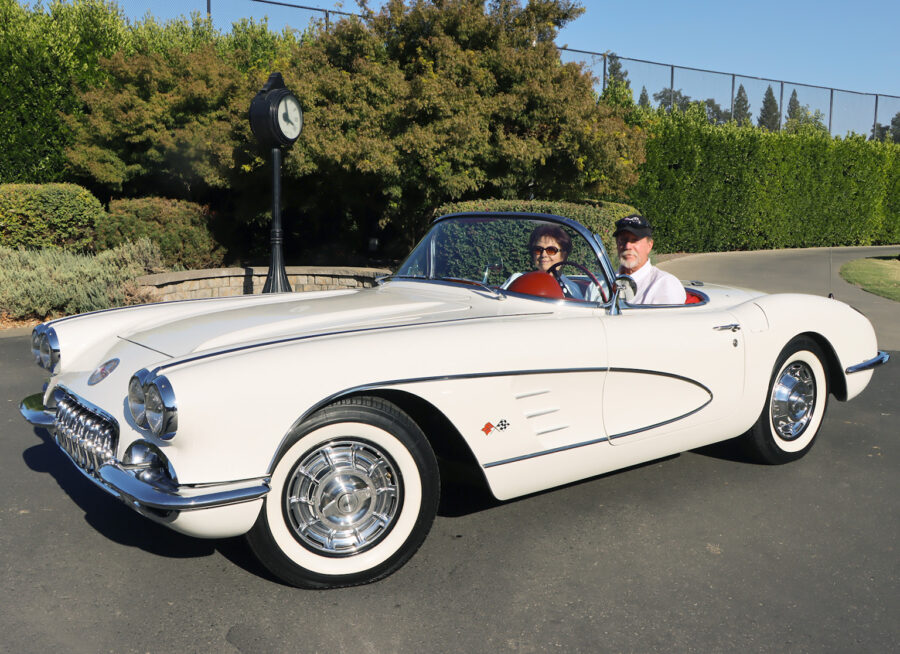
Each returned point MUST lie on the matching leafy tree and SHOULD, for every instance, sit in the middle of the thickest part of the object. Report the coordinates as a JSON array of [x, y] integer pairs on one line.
[[879, 132], [741, 112], [617, 91], [805, 119], [668, 98], [166, 124], [47, 54], [769, 117], [895, 128], [644, 99], [715, 114], [793, 108], [417, 105]]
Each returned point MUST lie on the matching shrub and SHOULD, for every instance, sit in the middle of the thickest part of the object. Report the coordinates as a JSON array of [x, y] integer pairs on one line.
[[711, 188], [179, 228], [52, 282], [597, 216], [47, 216]]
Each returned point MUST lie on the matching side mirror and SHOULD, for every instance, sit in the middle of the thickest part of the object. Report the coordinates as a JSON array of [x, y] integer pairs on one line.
[[626, 287], [623, 292]]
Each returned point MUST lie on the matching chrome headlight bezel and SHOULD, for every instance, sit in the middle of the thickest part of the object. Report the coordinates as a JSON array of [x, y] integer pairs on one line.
[[151, 402], [45, 348]]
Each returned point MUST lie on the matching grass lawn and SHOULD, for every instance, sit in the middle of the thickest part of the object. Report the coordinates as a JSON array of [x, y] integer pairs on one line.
[[878, 275]]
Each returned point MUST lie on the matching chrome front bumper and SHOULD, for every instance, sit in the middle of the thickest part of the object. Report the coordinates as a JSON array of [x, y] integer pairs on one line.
[[874, 362], [124, 482]]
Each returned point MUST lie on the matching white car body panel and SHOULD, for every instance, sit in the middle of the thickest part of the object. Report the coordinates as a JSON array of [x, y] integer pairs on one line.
[[542, 392]]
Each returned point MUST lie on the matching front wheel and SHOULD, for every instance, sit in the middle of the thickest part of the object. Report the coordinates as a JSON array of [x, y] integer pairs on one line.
[[352, 497], [795, 405]]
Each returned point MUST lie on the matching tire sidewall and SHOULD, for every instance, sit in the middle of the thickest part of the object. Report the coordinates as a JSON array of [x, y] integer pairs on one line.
[[770, 446], [273, 539]]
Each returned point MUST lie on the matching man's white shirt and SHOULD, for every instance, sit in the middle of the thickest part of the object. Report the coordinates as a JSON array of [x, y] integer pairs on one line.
[[655, 286]]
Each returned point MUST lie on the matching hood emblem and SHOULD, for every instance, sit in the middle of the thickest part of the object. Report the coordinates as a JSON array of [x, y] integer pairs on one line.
[[102, 372]]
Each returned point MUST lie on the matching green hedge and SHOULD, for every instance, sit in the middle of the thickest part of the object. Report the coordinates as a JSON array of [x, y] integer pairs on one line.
[[52, 282], [719, 188], [47, 216], [180, 229], [598, 216]]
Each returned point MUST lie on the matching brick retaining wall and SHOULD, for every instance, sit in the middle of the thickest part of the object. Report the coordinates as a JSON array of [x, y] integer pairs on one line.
[[225, 282]]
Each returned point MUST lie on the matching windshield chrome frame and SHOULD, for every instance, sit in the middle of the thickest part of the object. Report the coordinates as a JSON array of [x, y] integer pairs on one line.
[[594, 241]]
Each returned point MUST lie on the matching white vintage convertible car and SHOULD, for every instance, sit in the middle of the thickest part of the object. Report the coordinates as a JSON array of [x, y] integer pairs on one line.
[[313, 422]]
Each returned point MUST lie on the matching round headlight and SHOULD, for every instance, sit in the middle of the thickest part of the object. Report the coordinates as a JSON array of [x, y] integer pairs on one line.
[[48, 349], [136, 401], [160, 409]]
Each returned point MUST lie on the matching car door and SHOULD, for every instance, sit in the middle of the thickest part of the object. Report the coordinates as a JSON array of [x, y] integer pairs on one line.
[[672, 370]]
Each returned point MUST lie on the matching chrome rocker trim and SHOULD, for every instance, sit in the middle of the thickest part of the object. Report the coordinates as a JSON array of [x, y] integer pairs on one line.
[[874, 362]]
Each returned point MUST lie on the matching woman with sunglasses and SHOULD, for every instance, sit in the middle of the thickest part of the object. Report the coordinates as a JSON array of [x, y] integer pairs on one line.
[[548, 246]]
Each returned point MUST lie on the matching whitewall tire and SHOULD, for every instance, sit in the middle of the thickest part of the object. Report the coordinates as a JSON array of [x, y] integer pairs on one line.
[[795, 404], [353, 495]]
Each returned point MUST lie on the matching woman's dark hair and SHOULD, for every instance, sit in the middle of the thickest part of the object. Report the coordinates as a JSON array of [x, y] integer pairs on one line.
[[551, 231]]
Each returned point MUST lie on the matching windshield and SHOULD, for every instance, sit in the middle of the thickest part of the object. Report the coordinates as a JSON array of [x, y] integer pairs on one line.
[[496, 250]]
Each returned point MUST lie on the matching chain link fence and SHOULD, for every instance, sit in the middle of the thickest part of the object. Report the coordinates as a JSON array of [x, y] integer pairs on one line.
[[838, 110]]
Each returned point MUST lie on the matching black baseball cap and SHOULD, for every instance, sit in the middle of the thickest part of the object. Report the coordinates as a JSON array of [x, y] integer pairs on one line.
[[635, 224]]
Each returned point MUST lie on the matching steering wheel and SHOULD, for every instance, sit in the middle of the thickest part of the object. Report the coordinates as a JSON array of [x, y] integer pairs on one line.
[[554, 270]]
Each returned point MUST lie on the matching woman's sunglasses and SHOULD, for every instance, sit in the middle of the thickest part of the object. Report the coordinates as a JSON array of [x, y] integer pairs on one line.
[[552, 250]]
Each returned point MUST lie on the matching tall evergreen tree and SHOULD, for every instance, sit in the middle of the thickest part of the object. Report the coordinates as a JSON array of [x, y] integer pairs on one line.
[[769, 116], [614, 70], [644, 99], [618, 89], [741, 111], [895, 128], [793, 109]]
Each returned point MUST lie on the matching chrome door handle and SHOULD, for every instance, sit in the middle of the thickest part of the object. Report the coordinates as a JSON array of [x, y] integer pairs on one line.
[[733, 327]]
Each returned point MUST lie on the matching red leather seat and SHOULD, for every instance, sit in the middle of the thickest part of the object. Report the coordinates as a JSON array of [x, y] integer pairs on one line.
[[692, 298], [537, 283]]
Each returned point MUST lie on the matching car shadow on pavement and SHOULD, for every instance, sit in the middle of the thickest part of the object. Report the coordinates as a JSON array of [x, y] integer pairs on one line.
[[106, 514]]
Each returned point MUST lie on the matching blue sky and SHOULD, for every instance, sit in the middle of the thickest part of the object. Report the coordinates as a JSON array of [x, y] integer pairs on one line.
[[847, 45]]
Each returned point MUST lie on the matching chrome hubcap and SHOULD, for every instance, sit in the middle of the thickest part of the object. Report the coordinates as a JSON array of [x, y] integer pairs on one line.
[[342, 498], [793, 400]]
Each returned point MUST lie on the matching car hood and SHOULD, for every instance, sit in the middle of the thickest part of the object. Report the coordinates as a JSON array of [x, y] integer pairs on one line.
[[308, 314]]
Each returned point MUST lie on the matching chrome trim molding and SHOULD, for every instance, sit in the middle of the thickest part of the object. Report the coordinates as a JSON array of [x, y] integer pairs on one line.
[[139, 494], [524, 457], [882, 358]]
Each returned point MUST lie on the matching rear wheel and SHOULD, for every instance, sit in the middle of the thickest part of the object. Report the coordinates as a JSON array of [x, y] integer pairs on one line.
[[353, 496], [795, 405]]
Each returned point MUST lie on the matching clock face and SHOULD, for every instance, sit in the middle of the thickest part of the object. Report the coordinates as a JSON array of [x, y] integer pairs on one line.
[[290, 117]]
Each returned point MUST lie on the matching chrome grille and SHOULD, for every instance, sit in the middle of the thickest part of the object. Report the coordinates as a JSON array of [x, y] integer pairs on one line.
[[89, 436]]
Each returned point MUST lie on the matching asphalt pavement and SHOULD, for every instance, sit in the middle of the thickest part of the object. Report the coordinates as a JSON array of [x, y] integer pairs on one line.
[[699, 552]]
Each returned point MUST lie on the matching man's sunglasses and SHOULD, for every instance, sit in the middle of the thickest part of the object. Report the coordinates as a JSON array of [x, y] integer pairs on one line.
[[552, 250]]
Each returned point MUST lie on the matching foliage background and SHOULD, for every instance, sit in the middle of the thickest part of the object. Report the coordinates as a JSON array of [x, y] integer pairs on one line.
[[422, 104]]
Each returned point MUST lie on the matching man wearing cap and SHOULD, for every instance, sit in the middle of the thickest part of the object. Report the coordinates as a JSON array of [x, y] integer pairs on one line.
[[633, 243]]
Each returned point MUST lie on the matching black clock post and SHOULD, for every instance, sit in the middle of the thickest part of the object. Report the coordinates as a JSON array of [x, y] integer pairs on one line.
[[276, 120]]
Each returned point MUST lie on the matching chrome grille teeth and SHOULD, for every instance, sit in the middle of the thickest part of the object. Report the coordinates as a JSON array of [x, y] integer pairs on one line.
[[89, 438]]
